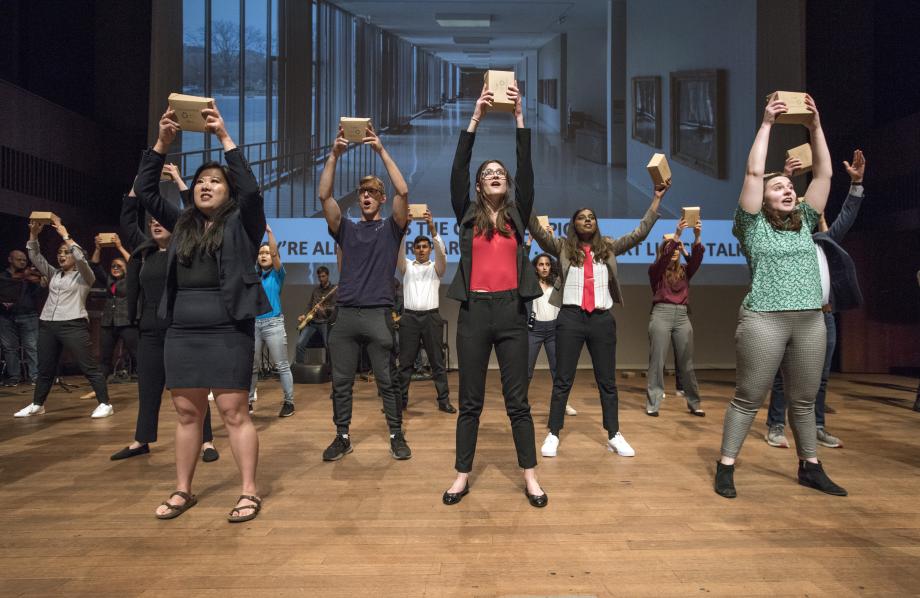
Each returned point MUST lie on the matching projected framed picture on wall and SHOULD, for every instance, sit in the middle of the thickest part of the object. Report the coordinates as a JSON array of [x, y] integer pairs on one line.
[[646, 122], [698, 120]]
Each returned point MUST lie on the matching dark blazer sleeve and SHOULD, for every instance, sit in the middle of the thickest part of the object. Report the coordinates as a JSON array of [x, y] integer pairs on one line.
[[252, 208], [523, 177], [845, 218], [147, 188], [460, 174], [131, 235]]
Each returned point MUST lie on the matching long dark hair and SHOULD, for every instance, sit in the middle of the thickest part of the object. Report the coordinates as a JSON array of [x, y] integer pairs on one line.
[[674, 273], [553, 266], [192, 236], [599, 247], [483, 220]]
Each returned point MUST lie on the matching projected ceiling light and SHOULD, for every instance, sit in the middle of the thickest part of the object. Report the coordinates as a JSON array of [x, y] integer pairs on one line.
[[477, 52], [463, 20], [470, 41]]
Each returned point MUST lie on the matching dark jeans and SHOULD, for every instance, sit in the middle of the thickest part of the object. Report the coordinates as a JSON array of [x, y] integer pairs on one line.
[[496, 320], [776, 413], [351, 327], [151, 380], [306, 335], [16, 332], [108, 340], [425, 329], [543, 334], [574, 329], [73, 335]]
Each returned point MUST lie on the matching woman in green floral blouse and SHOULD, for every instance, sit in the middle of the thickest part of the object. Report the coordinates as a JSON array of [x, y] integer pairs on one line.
[[780, 324]]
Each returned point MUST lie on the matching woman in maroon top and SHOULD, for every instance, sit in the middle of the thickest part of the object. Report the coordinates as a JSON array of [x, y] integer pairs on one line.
[[670, 280]]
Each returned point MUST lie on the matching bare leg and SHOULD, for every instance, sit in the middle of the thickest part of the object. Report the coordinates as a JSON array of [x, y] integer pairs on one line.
[[459, 484], [244, 441], [533, 486], [191, 405]]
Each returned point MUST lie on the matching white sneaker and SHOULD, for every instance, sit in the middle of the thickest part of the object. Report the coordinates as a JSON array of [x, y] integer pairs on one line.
[[30, 410], [550, 445], [619, 445], [103, 410], [569, 410], [681, 393]]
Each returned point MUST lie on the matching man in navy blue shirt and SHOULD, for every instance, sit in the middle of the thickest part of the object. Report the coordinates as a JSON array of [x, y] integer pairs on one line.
[[365, 294]]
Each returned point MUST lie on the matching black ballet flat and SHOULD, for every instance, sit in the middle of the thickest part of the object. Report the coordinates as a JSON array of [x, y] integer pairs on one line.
[[210, 455], [536, 501], [127, 452], [452, 498]]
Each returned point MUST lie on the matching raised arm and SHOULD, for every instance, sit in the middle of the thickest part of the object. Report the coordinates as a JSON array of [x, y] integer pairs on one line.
[[751, 199], [273, 248], [401, 261], [79, 256], [696, 250], [331, 209], [460, 171], [852, 203], [130, 229], [400, 188], [544, 237], [147, 184], [821, 170], [35, 251], [440, 253], [623, 244], [97, 251], [523, 176]]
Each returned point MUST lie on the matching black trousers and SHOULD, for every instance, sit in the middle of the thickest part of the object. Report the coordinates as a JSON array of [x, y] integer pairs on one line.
[[351, 327], [108, 339], [574, 329], [151, 380], [73, 335], [422, 329], [496, 320]]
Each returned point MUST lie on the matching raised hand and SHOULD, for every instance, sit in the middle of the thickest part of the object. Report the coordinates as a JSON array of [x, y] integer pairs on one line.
[[34, 229], [698, 230], [791, 165], [773, 109], [514, 94], [815, 121], [168, 129], [371, 139], [340, 144], [681, 225], [97, 240], [58, 226], [171, 171], [430, 220], [661, 189], [485, 101], [857, 169], [214, 122]]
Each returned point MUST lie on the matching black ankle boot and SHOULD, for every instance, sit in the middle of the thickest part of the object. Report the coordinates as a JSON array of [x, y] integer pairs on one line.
[[813, 476], [725, 480]]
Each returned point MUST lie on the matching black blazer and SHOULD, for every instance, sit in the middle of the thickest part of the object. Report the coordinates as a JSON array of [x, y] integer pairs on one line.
[[140, 246], [845, 293], [528, 285], [240, 285]]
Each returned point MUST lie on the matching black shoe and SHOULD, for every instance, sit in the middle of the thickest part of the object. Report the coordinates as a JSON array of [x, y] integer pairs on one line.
[[696, 412], [210, 455], [340, 447], [536, 501], [725, 480], [11, 383], [398, 447], [127, 452], [452, 498], [446, 407], [652, 413], [252, 407], [287, 410], [813, 476], [917, 404]]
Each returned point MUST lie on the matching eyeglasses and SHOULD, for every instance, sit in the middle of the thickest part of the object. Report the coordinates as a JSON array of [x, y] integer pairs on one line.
[[494, 174], [370, 191]]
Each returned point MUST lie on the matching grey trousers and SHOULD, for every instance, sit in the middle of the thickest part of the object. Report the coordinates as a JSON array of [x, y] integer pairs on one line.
[[792, 341], [669, 324]]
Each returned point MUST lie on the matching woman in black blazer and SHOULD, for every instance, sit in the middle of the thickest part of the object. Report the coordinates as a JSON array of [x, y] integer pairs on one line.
[[494, 281], [211, 299]]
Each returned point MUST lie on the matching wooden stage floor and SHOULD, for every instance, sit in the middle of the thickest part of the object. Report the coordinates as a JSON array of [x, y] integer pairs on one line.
[[75, 523]]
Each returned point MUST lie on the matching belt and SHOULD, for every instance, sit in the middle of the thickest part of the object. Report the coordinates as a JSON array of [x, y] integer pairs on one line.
[[421, 313], [489, 295], [578, 307], [827, 308]]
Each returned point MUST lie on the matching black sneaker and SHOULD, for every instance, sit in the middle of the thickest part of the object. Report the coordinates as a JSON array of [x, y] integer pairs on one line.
[[398, 447], [812, 475], [287, 410], [340, 447]]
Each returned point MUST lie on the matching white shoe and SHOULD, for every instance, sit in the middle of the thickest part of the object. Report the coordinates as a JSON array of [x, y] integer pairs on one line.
[[681, 393], [550, 445], [210, 396], [569, 410], [619, 445], [103, 410], [30, 410]]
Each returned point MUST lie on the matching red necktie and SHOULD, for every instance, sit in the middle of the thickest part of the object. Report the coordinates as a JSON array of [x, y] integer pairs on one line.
[[587, 293]]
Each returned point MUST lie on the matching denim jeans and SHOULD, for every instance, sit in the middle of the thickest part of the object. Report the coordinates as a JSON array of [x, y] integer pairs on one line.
[[271, 333], [306, 335], [16, 332]]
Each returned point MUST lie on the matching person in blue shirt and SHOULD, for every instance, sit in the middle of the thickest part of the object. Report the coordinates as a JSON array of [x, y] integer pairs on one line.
[[270, 326]]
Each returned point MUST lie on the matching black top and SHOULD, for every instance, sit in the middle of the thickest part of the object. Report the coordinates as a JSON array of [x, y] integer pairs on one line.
[[845, 293], [115, 310], [153, 279], [240, 286], [29, 298], [201, 273], [369, 250]]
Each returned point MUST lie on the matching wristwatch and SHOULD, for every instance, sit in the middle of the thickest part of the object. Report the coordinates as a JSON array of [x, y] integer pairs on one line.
[[66, 237]]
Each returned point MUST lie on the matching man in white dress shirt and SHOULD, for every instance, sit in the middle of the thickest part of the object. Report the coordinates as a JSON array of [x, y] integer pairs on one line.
[[421, 323]]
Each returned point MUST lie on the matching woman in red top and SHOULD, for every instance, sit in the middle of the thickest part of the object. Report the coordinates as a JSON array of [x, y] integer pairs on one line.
[[670, 280], [494, 280]]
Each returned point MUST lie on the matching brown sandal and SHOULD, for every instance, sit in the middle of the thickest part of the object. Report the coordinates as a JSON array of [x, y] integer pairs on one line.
[[256, 507], [176, 510]]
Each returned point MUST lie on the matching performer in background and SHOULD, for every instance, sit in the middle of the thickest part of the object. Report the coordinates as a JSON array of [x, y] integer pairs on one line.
[[115, 324], [64, 323], [145, 283], [365, 293], [586, 291], [839, 290], [19, 317], [212, 298], [780, 322], [669, 323], [269, 329], [322, 306], [421, 323], [494, 281]]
